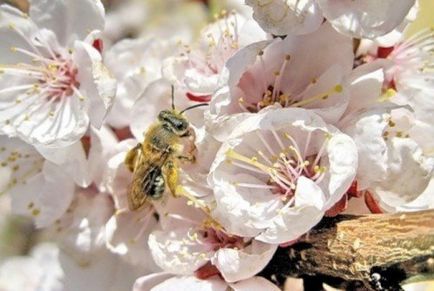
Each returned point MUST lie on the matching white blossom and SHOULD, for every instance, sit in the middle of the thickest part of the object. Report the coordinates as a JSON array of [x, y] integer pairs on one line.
[[40, 188], [53, 82], [164, 281], [285, 73], [355, 18], [278, 172]]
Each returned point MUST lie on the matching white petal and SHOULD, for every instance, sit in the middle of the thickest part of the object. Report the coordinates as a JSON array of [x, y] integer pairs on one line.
[[98, 271], [290, 224], [146, 283], [281, 17], [25, 273], [308, 193], [236, 265], [72, 159], [82, 229], [255, 284], [191, 283], [96, 82], [367, 130], [127, 233], [408, 175], [15, 28], [332, 108], [45, 197], [366, 85], [343, 159], [70, 20], [365, 19], [178, 251], [102, 147]]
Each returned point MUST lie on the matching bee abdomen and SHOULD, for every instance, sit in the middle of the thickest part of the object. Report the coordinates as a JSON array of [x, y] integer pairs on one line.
[[155, 186]]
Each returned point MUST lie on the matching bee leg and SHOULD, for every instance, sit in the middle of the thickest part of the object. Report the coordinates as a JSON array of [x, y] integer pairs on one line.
[[130, 158], [187, 158], [171, 173]]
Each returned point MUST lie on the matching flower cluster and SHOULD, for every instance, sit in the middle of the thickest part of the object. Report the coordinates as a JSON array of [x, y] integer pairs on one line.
[[309, 109]]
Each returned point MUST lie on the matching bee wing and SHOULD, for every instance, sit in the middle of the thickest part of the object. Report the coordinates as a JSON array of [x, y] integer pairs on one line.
[[146, 169]]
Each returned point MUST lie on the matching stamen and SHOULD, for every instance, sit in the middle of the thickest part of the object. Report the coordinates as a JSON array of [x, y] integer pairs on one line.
[[322, 96], [279, 141], [276, 89], [255, 186], [243, 166], [264, 142], [236, 156]]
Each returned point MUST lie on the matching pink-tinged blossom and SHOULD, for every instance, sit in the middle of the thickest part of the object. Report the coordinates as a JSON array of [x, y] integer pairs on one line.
[[366, 19], [194, 246], [136, 63], [167, 282], [53, 81], [282, 17], [278, 172], [396, 165], [200, 68], [354, 18], [81, 230], [291, 72]]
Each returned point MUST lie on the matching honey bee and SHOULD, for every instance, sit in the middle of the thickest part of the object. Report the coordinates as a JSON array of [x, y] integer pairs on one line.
[[155, 162]]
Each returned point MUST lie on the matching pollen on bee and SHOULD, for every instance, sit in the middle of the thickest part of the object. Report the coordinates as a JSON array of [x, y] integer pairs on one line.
[[391, 123]]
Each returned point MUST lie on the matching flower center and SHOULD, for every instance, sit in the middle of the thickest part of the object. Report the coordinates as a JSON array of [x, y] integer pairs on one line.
[[217, 239], [284, 167], [274, 93], [51, 74]]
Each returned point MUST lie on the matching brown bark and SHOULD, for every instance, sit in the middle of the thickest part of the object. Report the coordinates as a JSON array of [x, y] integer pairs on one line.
[[377, 251]]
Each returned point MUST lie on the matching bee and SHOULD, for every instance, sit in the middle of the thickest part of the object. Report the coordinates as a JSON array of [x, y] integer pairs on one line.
[[155, 162]]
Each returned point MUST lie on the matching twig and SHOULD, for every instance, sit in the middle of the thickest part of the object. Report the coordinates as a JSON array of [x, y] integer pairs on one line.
[[376, 252]]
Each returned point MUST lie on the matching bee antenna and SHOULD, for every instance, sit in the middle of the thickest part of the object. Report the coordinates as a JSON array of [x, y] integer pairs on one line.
[[194, 106], [173, 97]]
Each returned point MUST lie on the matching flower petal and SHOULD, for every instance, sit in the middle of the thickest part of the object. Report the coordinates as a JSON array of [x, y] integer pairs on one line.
[[96, 82], [365, 19], [255, 284], [70, 20], [281, 17], [236, 265]]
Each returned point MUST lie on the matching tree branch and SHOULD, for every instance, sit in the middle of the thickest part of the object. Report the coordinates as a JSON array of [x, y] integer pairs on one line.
[[377, 252]]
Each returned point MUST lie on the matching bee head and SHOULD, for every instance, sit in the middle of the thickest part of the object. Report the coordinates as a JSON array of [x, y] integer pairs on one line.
[[174, 121]]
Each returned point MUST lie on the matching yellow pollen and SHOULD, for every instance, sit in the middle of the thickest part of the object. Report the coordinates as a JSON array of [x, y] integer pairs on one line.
[[391, 123], [387, 95], [36, 212]]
